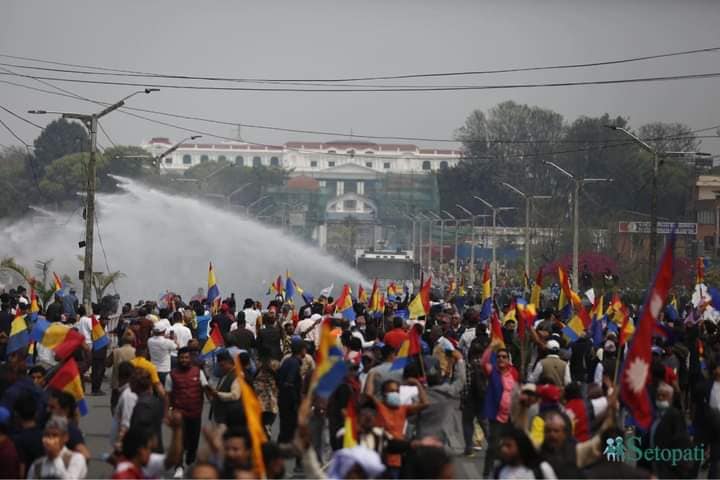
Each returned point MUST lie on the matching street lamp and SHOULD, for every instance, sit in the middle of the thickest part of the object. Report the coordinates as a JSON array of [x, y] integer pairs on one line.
[[495, 211], [429, 222], [528, 207], [579, 182], [452, 217], [156, 160], [413, 245], [653, 192], [90, 121], [472, 238]]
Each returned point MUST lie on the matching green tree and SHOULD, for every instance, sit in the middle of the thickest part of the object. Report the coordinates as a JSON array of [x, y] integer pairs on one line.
[[669, 137], [128, 161], [66, 176], [17, 189], [58, 139]]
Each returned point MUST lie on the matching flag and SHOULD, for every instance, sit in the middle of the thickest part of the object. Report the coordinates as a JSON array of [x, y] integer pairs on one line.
[[19, 334], [409, 347], [452, 286], [527, 314], [213, 342], [99, 338], [461, 288], [536, 288], [289, 288], [486, 310], [374, 298], [251, 408], [420, 305], [34, 307], [574, 298], [57, 284], [596, 331], [699, 271], [573, 329], [511, 313], [362, 294], [344, 304], [213, 292], [496, 335], [486, 287], [331, 369], [67, 379], [627, 329], [636, 369], [393, 290], [671, 310], [350, 434], [60, 338]]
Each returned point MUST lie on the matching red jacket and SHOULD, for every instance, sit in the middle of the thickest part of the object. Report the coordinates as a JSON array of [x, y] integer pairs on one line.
[[187, 393]]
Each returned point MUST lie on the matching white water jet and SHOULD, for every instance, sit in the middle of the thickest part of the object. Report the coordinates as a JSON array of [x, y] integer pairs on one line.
[[164, 242]]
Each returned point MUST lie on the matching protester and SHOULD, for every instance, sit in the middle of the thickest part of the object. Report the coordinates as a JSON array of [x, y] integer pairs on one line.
[[58, 461]]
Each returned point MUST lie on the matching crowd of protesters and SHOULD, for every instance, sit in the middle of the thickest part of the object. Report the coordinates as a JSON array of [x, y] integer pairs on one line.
[[540, 406]]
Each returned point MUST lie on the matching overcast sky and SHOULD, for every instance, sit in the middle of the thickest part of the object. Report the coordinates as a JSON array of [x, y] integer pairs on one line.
[[306, 39]]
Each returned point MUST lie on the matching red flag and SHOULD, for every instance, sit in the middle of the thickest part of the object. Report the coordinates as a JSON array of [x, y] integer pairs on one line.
[[636, 369], [496, 335], [414, 338], [73, 340]]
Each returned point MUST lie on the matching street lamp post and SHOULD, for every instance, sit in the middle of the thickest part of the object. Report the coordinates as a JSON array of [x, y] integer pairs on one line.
[[156, 160], [579, 182], [472, 239], [90, 121], [657, 155], [528, 207], [432, 218], [495, 211], [455, 220]]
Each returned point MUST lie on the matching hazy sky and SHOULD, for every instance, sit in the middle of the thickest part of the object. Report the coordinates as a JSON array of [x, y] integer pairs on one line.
[[305, 39]]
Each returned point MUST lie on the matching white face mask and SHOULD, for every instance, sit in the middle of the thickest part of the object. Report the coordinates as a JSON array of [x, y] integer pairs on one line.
[[393, 399], [662, 404]]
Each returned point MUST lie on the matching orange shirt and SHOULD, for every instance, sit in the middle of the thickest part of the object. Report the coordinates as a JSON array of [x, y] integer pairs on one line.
[[393, 421]]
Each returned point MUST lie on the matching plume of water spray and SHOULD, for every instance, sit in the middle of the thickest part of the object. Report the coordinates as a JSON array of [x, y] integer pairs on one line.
[[164, 242]]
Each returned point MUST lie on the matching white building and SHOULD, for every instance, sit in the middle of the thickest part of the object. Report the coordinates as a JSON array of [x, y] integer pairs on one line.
[[308, 158]]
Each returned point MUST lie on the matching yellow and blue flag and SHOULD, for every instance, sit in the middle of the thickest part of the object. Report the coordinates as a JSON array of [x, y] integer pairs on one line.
[[213, 293], [55, 336], [344, 304], [99, 338], [289, 288], [331, 368], [67, 379], [19, 334]]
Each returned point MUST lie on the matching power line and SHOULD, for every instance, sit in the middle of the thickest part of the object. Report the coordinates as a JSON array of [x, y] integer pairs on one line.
[[666, 78], [380, 77], [20, 117], [72, 95], [102, 129]]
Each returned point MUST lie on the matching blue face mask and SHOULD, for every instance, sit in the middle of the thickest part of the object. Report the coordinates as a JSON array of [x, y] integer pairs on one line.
[[392, 399]]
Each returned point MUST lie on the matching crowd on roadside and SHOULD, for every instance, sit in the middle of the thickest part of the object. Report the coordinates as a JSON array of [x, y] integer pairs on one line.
[[415, 394]]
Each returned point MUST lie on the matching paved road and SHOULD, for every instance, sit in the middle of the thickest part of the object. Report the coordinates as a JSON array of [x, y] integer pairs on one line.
[[96, 427]]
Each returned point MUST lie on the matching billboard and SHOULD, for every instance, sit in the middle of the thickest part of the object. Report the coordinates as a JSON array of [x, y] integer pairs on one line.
[[663, 228]]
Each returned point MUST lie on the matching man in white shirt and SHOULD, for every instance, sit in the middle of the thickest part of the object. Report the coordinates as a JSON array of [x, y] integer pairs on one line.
[[251, 315], [309, 328], [59, 461], [84, 325], [124, 409], [160, 348], [181, 333]]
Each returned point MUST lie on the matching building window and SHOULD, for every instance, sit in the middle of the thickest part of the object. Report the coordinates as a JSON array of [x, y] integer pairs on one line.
[[426, 165], [313, 163], [369, 152], [350, 205], [222, 158], [331, 151], [168, 160], [204, 158], [187, 159], [386, 165], [706, 217], [443, 164], [368, 164], [239, 160], [257, 162], [274, 162], [331, 163]]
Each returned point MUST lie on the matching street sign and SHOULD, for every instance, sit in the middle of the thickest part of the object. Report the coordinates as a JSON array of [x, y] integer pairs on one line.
[[663, 228]]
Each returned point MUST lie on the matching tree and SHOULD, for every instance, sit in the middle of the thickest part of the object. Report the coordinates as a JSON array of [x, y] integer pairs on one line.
[[66, 176], [17, 188], [127, 161], [669, 137], [58, 139], [101, 282]]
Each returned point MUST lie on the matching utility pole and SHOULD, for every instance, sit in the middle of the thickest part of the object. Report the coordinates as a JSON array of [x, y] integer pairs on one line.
[[433, 217], [657, 155], [90, 121], [579, 182], [495, 211], [528, 207]]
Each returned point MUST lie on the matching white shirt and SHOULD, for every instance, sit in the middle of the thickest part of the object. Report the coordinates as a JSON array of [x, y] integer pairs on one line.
[[123, 412], [155, 467], [160, 349], [251, 316], [84, 326], [409, 394], [714, 402], [509, 472], [45, 355], [182, 334], [169, 382], [466, 339], [77, 467], [305, 326]]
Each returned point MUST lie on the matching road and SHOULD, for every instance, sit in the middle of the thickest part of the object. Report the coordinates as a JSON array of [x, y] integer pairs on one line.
[[96, 428]]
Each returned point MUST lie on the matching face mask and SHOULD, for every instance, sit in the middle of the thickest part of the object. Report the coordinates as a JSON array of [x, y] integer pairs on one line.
[[662, 404], [393, 399]]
